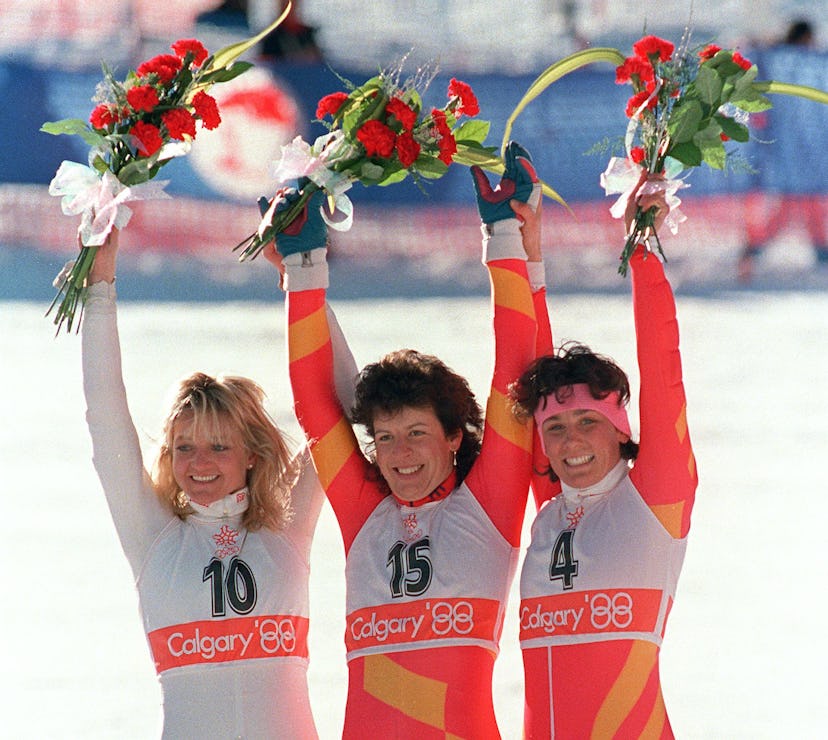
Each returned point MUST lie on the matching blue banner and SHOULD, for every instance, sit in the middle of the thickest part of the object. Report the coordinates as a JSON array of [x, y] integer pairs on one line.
[[581, 113]]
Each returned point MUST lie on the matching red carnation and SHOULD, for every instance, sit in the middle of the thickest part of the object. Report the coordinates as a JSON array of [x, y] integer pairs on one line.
[[652, 46], [377, 138], [741, 61], [407, 149], [103, 116], [330, 104], [402, 112], [637, 154], [440, 122], [637, 100], [166, 66], [206, 109], [709, 52], [448, 147], [184, 46], [148, 137], [179, 123], [468, 102], [142, 98], [635, 70]]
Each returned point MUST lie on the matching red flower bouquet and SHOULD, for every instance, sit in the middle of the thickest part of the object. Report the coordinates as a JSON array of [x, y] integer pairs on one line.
[[685, 107], [379, 134], [137, 127]]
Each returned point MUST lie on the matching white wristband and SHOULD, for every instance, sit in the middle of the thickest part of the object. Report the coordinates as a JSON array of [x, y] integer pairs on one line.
[[306, 270]]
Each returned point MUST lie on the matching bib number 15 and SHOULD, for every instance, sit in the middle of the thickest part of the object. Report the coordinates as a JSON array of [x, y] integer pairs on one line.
[[410, 568]]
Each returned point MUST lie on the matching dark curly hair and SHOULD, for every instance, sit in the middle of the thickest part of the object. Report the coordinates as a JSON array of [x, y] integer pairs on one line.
[[409, 378], [555, 374]]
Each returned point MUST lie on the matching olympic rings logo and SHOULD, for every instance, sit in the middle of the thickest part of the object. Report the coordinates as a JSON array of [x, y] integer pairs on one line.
[[274, 635], [615, 610], [457, 618]]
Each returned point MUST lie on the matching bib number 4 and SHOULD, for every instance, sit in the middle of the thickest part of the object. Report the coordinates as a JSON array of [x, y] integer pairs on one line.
[[563, 566]]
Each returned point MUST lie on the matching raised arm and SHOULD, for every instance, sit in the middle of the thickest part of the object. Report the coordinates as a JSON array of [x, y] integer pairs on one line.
[[136, 511], [665, 470], [307, 494], [543, 489], [337, 457], [500, 476]]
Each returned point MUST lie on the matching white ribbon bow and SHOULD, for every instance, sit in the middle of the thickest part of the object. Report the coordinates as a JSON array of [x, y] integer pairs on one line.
[[300, 159], [622, 175], [99, 199]]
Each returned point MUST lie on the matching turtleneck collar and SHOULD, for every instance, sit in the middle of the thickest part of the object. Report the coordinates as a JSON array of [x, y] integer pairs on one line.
[[605, 485], [233, 504], [438, 494]]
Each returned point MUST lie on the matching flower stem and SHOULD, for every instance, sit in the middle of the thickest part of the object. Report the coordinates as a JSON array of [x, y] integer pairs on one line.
[[643, 232], [73, 289]]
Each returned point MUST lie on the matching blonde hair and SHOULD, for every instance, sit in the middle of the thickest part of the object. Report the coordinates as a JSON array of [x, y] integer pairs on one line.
[[238, 403]]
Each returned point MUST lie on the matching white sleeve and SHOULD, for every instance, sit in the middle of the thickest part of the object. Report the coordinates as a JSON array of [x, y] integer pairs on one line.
[[116, 452]]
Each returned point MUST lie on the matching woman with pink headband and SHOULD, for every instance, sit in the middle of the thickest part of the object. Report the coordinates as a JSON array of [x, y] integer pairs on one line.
[[600, 573]]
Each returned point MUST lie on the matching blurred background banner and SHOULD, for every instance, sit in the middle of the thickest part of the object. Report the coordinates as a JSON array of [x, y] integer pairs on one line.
[[50, 55]]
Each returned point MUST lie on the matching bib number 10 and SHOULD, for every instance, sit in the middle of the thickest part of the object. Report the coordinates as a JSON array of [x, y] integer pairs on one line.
[[236, 588]]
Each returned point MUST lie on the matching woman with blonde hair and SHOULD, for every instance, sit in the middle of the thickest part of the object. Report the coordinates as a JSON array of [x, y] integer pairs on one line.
[[218, 537]]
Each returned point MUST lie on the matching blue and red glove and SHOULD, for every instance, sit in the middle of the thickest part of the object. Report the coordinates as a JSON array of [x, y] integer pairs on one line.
[[519, 182], [304, 233]]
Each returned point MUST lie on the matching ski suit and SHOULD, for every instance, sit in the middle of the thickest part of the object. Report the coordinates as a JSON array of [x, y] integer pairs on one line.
[[426, 584], [599, 577], [225, 610]]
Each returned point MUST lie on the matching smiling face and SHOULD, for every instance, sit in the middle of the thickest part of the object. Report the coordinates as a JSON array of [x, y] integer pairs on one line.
[[413, 451], [582, 446], [208, 463]]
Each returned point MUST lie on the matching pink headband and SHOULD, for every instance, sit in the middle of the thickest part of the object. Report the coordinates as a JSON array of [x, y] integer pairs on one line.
[[581, 398]]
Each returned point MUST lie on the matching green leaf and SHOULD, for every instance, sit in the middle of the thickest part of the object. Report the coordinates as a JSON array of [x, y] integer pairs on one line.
[[687, 153], [744, 80], [473, 130], [430, 167], [684, 121], [555, 72], [751, 101], [225, 74], [733, 129], [370, 172], [413, 98], [70, 126], [75, 127], [481, 156], [713, 152], [787, 88], [395, 176], [709, 85], [723, 62], [99, 164], [224, 57]]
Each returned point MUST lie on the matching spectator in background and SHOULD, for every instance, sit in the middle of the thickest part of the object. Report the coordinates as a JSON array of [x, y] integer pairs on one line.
[[293, 41], [767, 213]]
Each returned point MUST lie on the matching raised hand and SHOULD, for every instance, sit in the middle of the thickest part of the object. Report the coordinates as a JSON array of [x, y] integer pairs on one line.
[[519, 182]]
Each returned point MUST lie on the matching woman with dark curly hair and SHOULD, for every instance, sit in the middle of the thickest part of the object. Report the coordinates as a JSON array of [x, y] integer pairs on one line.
[[599, 577], [431, 522], [408, 379]]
